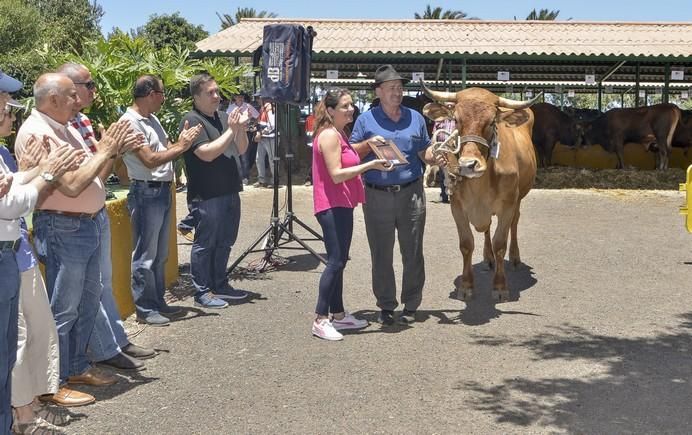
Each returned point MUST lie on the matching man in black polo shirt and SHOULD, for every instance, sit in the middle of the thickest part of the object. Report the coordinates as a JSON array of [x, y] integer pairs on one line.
[[213, 186]]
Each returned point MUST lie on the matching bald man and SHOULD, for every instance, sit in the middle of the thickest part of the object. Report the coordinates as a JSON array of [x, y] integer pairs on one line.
[[67, 226]]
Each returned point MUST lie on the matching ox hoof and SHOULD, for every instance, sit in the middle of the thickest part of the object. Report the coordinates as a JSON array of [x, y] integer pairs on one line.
[[465, 294], [500, 296]]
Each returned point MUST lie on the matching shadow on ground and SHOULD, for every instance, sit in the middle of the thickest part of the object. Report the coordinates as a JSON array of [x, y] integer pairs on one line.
[[644, 386]]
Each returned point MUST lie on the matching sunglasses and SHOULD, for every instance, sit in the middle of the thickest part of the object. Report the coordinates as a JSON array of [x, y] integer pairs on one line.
[[90, 85]]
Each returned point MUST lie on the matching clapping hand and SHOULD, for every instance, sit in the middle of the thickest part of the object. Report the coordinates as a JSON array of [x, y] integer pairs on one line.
[[34, 151], [238, 119], [63, 158], [188, 135], [5, 183]]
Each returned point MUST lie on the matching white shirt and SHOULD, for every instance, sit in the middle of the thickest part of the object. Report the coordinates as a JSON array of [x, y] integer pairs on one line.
[[18, 202], [156, 139]]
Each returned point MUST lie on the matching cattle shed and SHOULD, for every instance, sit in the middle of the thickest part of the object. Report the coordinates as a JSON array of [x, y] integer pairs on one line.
[[559, 57]]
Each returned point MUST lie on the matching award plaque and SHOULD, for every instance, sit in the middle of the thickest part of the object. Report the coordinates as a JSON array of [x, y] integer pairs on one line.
[[388, 151]]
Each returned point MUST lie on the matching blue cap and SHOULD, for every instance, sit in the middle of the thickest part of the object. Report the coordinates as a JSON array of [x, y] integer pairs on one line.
[[9, 84]]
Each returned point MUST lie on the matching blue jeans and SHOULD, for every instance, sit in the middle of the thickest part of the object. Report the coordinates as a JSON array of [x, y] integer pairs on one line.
[[217, 229], [108, 337], [337, 230], [247, 159], [9, 306], [150, 214], [70, 249]]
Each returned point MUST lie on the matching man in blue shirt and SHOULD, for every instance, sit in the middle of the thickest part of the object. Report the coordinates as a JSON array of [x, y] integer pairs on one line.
[[395, 200]]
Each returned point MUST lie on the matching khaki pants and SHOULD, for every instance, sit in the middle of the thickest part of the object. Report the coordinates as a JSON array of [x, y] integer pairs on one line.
[[37, 370]]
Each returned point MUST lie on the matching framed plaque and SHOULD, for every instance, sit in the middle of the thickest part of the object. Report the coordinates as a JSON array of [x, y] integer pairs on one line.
[[388, 151]]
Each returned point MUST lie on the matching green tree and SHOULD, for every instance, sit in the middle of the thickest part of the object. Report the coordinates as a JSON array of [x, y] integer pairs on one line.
[[116, 63], [544, 15], [66, 24], [439, 14], [229, 20], [169, 30]]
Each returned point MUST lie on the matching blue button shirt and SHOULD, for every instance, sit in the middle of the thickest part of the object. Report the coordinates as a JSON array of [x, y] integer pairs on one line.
[[409, 134], [25, 256]]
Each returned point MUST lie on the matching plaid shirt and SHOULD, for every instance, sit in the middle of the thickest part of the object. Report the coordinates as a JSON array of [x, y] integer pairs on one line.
[[83, 126]]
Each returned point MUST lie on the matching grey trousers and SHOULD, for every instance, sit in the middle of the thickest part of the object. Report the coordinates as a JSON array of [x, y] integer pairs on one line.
[[401, 213]]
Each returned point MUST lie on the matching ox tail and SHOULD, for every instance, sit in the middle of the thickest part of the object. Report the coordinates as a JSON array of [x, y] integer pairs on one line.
[[677, 115]]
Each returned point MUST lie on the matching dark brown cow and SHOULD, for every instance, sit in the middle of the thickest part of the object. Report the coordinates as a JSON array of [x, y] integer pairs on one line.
[[550, 126], [652, 125], [682, 138], [481, 186]]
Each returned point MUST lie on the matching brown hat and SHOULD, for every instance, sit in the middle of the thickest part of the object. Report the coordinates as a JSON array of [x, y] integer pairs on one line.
[[385, 73]]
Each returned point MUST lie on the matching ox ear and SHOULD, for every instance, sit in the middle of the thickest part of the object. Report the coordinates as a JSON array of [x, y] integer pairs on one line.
[[513, 118], [438, 112]]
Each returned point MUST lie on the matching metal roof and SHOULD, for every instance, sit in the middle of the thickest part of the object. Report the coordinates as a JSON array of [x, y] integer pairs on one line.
[[471, 37], [450, 52]]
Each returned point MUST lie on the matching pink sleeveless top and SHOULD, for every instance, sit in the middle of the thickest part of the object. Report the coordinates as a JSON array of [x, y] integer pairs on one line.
[[328, 195]]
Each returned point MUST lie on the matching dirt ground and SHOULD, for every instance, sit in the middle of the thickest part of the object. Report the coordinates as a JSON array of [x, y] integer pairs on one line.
[[597, 340]]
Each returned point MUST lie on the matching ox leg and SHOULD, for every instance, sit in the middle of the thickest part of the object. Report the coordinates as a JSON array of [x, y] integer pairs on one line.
[[488, 255], [514, 257], [504, 221], [465, 285]]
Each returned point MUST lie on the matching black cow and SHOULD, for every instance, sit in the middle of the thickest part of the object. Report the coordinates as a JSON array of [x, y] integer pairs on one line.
[[550, 126], [651, 126]]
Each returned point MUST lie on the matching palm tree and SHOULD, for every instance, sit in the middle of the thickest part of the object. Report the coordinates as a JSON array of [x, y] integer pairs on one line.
[[438, 14], [544, 15], [228, 20]]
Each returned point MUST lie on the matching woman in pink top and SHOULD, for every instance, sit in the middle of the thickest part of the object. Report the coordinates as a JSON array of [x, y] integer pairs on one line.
[[337, 189]]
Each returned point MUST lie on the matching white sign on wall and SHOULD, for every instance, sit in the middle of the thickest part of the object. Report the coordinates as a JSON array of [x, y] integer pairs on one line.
[[528, 93], [570, 93], [590, 79], [417, 76], [677, 74], [503, 76], [684, 95], [642, 93], [332, 74]]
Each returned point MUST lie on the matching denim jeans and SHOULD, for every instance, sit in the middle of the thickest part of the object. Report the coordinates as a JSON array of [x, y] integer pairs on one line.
[[70, 249], [265, 149], [337, 230], [217, 229], [108, 337], [150, 214], [9, 306], [247, 159]]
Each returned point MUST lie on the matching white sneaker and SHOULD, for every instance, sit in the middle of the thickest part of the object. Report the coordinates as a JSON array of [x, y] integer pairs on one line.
[[349, 322], [323, 328]]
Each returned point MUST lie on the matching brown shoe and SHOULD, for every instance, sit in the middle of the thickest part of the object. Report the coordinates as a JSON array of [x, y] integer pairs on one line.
[[68, 397], [189, 235], [93, 376]]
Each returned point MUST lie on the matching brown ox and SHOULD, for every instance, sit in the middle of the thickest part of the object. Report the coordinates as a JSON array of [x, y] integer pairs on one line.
[[481, 186]]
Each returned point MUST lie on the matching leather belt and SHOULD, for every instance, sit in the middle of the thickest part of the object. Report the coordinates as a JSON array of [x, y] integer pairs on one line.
[[69, 213], [390, 187], [152, 183], [10, 244]]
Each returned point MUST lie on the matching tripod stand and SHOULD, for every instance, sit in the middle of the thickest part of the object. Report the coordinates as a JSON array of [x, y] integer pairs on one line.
[[280, 232]]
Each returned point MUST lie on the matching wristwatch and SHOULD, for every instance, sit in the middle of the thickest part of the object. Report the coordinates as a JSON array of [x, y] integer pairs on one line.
[[48, 177]]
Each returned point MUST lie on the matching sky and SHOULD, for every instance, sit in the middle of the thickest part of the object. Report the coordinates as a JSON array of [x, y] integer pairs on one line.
[[128, 14]]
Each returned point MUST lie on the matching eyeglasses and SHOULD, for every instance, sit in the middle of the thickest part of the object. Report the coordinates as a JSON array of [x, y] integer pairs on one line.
[[90, 85], [12, 110]]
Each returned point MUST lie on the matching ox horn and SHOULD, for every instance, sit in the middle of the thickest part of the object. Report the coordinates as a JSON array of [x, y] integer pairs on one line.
[[438, 95], [514, 104]]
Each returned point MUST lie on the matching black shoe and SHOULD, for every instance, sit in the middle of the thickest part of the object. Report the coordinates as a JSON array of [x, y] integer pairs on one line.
[[407, 317], [123, 362], [386, 317], [138, 352]]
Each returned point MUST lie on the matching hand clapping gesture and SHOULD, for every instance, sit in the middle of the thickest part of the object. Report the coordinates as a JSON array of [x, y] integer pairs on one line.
[[237, 120], [188, 135], [5, 183]]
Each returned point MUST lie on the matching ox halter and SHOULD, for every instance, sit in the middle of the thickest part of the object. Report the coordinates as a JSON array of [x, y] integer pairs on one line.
[[446, 147]]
